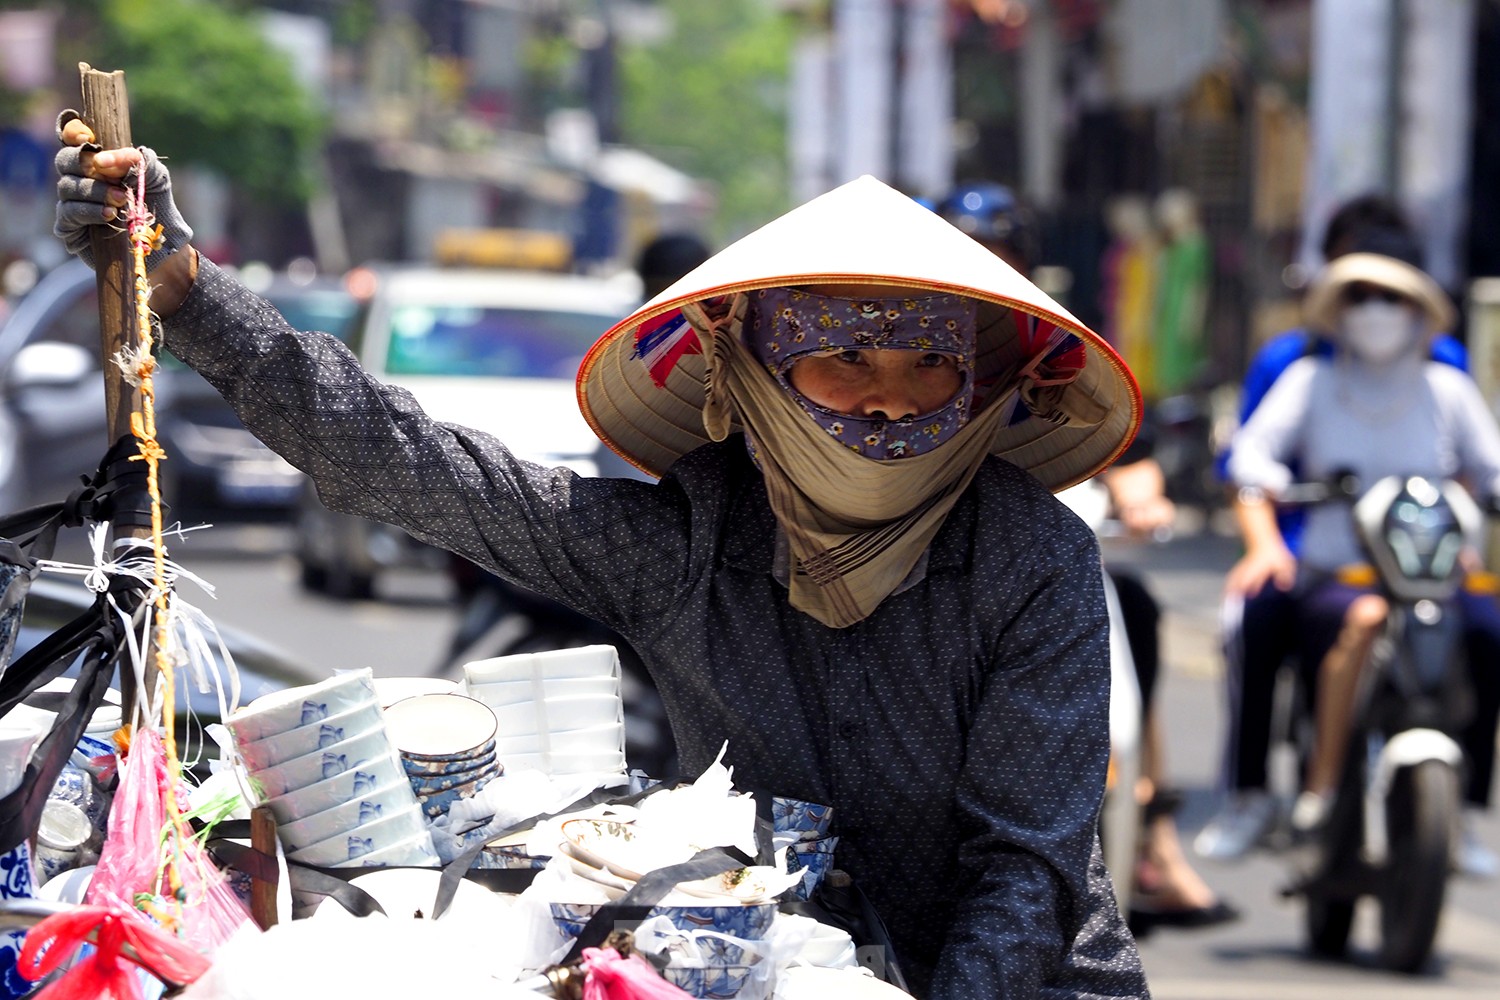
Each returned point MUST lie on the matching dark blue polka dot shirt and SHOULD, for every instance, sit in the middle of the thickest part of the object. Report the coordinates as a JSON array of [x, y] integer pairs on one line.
[[960, 732]]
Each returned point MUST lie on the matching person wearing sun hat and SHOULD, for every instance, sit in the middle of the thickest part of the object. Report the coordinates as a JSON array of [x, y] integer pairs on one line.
[[1378, 407], [852, 567]]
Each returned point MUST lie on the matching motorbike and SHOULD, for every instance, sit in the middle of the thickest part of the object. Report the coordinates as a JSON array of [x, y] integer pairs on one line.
[[1391, 827]]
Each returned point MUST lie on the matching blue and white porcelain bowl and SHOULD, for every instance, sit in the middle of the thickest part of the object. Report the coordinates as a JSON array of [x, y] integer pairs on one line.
[[712, 982], [435, 804], [346, 848], [417, 764], [300, 803], [814, 858], [303, 740], [302, 706], [440, 727], [417, 852], [375, 804], [431, 784], [321, 764], [751, 923], [810, 820], [16, 882]]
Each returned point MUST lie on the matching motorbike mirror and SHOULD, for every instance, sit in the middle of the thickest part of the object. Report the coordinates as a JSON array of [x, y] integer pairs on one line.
[[1345, 483]]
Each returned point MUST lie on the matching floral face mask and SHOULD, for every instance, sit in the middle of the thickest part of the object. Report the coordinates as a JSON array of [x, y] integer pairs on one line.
[[785, 325]]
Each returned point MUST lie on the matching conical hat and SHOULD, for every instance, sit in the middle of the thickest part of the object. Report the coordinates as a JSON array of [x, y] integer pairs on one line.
[[641, 386]]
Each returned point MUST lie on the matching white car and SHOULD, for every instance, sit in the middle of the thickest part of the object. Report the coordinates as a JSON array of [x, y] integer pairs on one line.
[[492, 350]]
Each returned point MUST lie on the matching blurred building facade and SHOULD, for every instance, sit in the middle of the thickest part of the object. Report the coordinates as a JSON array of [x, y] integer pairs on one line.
[[1260, 115], [1257, 115]]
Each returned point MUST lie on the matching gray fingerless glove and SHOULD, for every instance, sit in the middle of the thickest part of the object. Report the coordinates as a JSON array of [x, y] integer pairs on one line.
[[82, 202]]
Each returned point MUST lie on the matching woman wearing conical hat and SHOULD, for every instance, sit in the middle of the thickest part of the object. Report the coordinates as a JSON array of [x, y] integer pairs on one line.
[[852, 567]]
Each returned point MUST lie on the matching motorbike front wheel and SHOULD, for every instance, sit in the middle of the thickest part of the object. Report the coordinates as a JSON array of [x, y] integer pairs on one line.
[[1422, 813]]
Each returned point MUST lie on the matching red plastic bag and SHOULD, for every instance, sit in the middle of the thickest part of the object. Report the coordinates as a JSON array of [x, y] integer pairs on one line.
[[105, 973], [611, 977], [139, 846]]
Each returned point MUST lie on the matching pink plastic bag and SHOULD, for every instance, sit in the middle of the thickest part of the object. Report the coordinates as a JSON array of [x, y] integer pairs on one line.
[[131, 862]]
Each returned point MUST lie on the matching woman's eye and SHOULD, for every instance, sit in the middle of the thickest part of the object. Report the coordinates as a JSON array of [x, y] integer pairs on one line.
[[933, 360], [849, 357]]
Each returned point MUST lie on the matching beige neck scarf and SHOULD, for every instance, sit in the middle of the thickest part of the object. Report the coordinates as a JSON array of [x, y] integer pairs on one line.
[[856, 526]]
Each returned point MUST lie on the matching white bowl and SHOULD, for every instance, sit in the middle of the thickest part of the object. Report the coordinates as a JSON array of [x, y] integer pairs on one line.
[[501, 693], [594, 740], [378, 804], [281, 747], [585, 661], [389, 690], [558, 715], [319, 765], [351, 845], [302, 802], [565, 763], [417, 852], [301, 706], [440, 725]]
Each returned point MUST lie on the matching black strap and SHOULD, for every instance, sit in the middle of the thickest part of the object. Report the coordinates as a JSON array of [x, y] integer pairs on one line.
[[117, 492], [459, 868], [636, 904], [21, 810]]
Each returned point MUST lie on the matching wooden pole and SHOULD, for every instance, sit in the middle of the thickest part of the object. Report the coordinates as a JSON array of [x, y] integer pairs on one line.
[[263, 891], [107, 112]]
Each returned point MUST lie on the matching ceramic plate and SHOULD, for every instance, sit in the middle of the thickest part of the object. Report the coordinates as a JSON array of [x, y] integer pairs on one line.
[[740, 885], [615, 846]]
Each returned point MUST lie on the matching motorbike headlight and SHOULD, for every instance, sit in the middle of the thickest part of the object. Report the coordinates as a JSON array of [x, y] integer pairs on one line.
[[1423, 532]]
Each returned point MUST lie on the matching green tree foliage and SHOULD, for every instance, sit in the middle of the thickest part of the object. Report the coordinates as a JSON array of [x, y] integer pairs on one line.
[[207, 89], [711, 100]]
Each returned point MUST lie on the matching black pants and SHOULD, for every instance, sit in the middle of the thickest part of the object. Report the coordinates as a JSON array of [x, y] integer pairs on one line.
[[1276, 625], [1142, 622]]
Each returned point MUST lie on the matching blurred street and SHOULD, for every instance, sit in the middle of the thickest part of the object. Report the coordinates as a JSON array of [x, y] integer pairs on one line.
[[466, 193], [1261, 955]]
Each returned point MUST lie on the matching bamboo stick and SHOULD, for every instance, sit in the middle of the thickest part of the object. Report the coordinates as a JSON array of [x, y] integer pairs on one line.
[[106, 110], [263, 891]]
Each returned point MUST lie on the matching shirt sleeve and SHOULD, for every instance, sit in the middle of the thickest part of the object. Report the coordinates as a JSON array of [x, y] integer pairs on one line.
[[1039, 917], [1476, 435], [1265, 368], [1263, 448], [613, 549]]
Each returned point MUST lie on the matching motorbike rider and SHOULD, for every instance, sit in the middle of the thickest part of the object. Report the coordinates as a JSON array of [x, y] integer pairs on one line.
[[1377, 407], [874, 611], [1168, 891], [1260, 626]]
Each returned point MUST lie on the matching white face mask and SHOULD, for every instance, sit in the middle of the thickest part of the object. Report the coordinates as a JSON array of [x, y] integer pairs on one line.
[[1379, 332]]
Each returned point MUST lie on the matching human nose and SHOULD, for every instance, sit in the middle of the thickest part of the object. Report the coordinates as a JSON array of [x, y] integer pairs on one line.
[[889, 398]]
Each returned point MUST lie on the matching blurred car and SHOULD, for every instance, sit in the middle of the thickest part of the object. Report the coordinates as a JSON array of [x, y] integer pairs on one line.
[[53, 422], [493, 350]]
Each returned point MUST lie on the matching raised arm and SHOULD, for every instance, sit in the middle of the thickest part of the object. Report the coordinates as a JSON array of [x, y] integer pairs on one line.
[[613, 549]]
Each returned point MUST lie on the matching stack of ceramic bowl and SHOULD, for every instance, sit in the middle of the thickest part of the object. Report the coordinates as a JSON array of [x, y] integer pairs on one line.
[[725, 968], [320, 758], [558, 712], [812, 851], [447, 747]]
